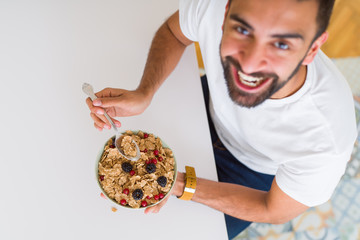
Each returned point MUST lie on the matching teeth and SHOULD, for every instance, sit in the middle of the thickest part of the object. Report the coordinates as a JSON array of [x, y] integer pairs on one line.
[[249, 80]]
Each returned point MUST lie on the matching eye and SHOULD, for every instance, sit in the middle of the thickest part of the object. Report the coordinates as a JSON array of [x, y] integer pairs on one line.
[[242, 31], [281, 45]]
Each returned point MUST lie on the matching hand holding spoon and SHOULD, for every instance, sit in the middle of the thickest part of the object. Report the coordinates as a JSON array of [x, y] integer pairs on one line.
[[88, 89]]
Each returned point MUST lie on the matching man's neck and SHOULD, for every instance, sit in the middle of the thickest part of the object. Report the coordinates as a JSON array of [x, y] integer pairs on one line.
[[293, 85]]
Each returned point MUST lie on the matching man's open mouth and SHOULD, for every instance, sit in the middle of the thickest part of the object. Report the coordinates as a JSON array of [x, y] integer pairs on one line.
[[251, 83], [250, 80]]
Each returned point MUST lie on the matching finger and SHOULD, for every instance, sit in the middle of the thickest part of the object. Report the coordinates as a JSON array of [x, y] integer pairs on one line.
[[94, 109], [156, 208], [109, 92], [97, 127], [97, 110], [107, 102], [100, 111], [116, 122], [159, 206], [89, 102], [104, 119], [100, 121], [98, 124]]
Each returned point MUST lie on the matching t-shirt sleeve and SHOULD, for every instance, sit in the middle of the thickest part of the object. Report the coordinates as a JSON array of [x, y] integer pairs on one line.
[[317, 179], [190, 14]]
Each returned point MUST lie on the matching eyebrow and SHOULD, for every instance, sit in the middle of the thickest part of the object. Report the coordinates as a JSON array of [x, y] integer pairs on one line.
[[288, 35], [240, 20], [246, 24]]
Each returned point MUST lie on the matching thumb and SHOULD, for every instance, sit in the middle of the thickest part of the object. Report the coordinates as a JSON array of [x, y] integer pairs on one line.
[[156, 208], [105, 96], [106, 102]]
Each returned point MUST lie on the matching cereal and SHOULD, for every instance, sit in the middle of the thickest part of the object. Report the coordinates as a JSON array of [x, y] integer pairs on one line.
[[154, 171], [128, 146]]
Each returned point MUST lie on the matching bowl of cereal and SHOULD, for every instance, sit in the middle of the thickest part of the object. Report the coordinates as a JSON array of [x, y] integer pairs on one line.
[[136, 184]]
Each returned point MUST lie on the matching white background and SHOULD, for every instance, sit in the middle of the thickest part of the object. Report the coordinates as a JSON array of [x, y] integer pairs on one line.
[[48, 142]]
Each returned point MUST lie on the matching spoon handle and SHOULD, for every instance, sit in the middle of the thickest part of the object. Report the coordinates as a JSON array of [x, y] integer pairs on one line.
[[111, 122], [87, 88]]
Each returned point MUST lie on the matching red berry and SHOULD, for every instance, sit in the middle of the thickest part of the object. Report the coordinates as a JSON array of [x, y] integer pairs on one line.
[[102, 195], [132, 172], [102, 177], [112, 146], [126, 191], [156, 197], [148, 161], [144, 203], [161, 195], [160, 159], [154, 161], [148, 197], [123, 202], [145, 150], [156, 152], [146, 135]]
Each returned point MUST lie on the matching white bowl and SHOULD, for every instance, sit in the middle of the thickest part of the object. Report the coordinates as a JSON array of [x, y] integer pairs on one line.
[[115, 202]]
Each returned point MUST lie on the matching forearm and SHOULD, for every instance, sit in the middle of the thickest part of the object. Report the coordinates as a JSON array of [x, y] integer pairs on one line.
[[244, 203], [235, 200], [165, 52]]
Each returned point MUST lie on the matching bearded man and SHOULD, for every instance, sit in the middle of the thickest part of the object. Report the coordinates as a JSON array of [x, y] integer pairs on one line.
[[281, 115]]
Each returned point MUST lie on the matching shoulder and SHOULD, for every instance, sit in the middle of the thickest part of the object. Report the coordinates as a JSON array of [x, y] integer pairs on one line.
[[199, 14], [327, 77], [332, 98]]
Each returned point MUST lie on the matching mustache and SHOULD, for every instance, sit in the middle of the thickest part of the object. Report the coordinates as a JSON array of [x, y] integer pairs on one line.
[[236, 64]]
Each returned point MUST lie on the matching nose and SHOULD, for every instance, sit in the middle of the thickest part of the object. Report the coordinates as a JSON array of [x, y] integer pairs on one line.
[[252, 58]]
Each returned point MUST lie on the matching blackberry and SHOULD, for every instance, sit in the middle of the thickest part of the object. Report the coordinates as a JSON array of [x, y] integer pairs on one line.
[[137, 194], [162, 181], [151, 168], [127, 167]]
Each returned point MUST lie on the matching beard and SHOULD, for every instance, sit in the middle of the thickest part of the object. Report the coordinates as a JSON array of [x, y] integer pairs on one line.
[[247, 99]]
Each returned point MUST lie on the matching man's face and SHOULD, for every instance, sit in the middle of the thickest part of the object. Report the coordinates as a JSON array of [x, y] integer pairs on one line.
[[263, 47]]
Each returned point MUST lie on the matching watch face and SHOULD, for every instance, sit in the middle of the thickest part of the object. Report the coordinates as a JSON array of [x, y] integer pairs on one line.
[[189, 190]]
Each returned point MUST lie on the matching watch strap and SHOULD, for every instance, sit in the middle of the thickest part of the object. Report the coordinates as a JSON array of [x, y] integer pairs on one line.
[[190, 184]]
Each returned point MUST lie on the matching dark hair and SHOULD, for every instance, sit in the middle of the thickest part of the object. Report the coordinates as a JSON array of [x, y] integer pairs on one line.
[[323, 15]]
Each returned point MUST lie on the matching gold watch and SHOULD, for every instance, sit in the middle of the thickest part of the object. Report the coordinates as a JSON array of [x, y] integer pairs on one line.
[[190, 184]]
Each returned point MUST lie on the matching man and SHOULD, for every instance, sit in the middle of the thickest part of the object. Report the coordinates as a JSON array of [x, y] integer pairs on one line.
[[277, 105]]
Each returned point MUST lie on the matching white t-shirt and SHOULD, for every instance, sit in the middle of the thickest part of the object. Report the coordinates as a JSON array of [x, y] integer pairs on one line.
[[305, 139]]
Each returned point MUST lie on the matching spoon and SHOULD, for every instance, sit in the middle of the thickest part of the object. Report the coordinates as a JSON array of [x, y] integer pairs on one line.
[[88, 89]]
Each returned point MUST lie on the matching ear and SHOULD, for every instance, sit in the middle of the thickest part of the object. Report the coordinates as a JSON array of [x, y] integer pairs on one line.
[[226, 11], [315, 47]]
